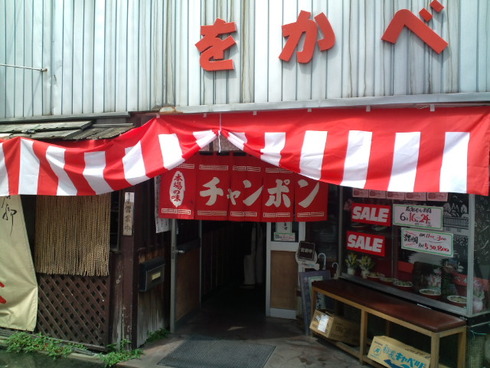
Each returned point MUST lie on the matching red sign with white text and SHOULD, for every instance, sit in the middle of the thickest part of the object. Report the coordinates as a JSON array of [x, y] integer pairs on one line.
[[311, 198], [278, 196], [371, 214], [213, 181], [177, 191], [246, 189], [366, 243]]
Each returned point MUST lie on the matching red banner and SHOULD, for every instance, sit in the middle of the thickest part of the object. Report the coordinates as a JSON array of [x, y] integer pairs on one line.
[[240, 188], [311, 199], [246, 188], [371, 214], [366, 243], [178, 191], [278, 195], [213, 182]]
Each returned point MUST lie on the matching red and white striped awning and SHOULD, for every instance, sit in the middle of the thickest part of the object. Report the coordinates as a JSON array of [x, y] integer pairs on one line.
[[402, 150]]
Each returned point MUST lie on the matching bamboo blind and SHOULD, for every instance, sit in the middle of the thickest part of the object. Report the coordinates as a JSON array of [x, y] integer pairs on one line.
[[73, 235]]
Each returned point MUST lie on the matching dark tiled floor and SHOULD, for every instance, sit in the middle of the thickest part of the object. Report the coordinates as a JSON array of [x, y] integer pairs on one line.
[[239, 315]]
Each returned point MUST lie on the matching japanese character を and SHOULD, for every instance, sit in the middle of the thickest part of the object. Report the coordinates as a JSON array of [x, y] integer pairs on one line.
[[212, 47], [2, 300], [405, 18], [304, 25]]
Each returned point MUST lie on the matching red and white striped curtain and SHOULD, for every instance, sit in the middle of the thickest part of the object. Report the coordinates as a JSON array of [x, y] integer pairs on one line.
[[402, 150]]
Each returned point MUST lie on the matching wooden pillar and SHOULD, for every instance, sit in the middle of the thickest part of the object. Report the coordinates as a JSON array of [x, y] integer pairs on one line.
[[124, 271]]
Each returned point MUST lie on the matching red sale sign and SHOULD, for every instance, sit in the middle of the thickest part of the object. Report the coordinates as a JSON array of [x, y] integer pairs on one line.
[[371, 214], [366, 243]]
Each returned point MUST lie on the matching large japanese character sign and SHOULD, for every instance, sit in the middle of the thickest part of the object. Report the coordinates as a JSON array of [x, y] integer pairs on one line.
[[212, 47], [307, 27], [404, 18], [240, 188]]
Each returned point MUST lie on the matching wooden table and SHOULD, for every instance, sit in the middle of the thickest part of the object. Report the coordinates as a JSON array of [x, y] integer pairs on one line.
[[426, 321]]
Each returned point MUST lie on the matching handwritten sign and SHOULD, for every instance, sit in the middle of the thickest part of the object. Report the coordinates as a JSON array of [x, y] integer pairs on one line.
[[366, 243], [417, 216], [427, 242], [18, 285], [371, 214]]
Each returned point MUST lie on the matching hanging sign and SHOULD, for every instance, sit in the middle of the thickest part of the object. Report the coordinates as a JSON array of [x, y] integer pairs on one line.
[[311, 198], [371, 214], [18, 285], [278, 198], [178, 191], [437, 243], [417, 216], [213, 181], [366, 243], [240, 188], [245, 192]]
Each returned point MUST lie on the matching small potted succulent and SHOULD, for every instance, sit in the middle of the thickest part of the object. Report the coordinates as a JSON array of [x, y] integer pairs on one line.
[[352, 262], [366, 263]]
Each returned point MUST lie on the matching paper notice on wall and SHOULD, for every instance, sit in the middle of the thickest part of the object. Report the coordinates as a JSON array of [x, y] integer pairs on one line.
[[18, 285]]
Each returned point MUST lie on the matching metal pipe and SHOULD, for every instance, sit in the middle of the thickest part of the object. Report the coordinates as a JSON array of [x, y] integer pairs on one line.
[[25, 67]]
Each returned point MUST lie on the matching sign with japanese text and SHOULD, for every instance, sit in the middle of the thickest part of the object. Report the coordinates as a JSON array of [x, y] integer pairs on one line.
[[177, 191], [128, 214], [278, 199], [245, 192], [371, 214], [366, 243], [417, 216], [240, 188], [18, 285], [311, 30], [311, 197], [437, 243], [213, 181]]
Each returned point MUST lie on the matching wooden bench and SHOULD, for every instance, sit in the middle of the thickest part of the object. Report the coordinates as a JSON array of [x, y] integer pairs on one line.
[[426, 321]]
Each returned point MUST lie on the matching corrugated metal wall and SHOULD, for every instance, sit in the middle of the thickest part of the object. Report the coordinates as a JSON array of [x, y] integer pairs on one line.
[[130, 55]]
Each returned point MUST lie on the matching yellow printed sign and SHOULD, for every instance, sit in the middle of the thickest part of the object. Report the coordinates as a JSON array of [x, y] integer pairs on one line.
[[18, 285]]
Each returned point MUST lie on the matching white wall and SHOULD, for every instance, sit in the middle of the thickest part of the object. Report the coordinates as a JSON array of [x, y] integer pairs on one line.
[[130, 55]]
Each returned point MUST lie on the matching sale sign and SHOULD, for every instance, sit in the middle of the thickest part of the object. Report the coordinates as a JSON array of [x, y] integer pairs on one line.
[[366, 243], [371, 214], [417, 216], [437, 243]]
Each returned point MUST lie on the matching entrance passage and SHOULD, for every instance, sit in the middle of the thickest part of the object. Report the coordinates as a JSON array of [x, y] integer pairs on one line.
[[232, 280]]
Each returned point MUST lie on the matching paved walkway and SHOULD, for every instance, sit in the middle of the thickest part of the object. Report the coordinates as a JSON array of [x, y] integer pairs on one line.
[[238, 316]]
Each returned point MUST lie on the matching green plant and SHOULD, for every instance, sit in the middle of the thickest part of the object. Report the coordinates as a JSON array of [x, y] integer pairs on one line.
[[157, 335], [351, 260], [23, 342], [119, 353], [366, 263]]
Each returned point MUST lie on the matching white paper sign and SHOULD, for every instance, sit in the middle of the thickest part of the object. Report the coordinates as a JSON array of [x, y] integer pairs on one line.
[[437, 243], [417, 216]]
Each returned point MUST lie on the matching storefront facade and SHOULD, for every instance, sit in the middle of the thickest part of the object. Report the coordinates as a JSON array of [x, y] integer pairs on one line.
[[373, 96]]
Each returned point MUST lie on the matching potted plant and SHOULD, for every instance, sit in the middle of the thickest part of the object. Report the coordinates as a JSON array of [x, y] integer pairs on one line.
[[366, 263], [351, 262]]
